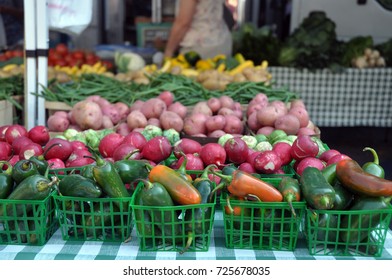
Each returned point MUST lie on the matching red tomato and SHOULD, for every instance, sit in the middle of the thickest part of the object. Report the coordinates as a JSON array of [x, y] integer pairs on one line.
[[3, 57], [79, 55], [107, 64], [8, 54], [61, 49], [61, 62], [17, 53]]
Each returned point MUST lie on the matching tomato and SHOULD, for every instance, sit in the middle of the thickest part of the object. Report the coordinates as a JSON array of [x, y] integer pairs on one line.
[[107, 64], [8, 54], [3, 57], [61, 49], [17, 53], [61, 62], [78, 55]]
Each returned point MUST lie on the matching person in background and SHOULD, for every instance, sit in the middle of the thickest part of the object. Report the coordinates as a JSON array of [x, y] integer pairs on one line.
[[12, 14], [199, 26]]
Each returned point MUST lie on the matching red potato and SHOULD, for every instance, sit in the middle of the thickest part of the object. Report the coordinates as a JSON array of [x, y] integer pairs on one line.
[[153, 108], [202, 108], [157, 149], [302, 115], [216, 122], [137, 105], [5, 150], [14, 131], [123, 129], [58, 148], [260, 98], [75, 126], [214, 104], [297, 103], [170, 119], [268, 115], [252, 122], [19, 143], [58, 123], [154, 121], [107, 122], [216, 133], [136, 119], [112, 112], [186, 146], [94, 98], [39, 134], [102, 102], [252, 108], [266, 130], [62, 114], [123, 109], [224, 111], [226, 101], [213, 153], [109, 143], [238, 114], [71, 118], [178, 108], [309, 162], [195, 124], [280, 106], [233, 125], [288, 123], [167, 97], [87, 115]]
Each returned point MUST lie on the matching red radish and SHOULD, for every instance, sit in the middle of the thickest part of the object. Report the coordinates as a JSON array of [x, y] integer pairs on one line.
[[280, 171], [327, 155], [267, 162], [56, 163], [123, 150], [213, 153], [303, 147], [283, 150], [14, 159], [306, 131], [79, 157], [214, 178], [186, 146], [109, 143], [252, 156], [20, 142], [15, 131], [309, 161], [3, 129], [136, 139], [78, 145], [39, 134], [5, 151], [337, 158], [194, 162], [157, 149], [167, 97], [247, 167], [32, 149], [236, 150], [58, 148]]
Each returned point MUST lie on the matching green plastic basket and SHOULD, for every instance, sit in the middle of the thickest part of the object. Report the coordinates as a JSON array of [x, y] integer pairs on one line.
[[27, 222], [61, 172], [262, 225], [103, 219], [175, 235], [324, 230]]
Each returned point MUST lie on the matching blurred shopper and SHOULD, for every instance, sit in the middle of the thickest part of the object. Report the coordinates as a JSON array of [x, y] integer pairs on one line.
[[199, 26], [11, 12]]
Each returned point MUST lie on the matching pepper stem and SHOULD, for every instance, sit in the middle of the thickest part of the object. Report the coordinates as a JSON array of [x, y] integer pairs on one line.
[[218, 187], [374, 153], [8, 171], [289, 199], [231, 210], [207, 170], [188, 243]]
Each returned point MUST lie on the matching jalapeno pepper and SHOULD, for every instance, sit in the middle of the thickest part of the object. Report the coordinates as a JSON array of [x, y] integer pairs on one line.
[[132, 169], [242, 184], [23, 169], [329, 173], [352, 176], [291, 191], [374, 167], [181, 190], [6, 181]]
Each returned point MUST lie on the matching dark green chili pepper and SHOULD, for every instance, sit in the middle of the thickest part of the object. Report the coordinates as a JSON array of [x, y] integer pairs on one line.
[[23, 169], [6, 181], [132, 169], [329, 173], [373, 167]]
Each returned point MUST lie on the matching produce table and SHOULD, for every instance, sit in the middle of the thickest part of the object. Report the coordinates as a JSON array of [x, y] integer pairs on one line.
[[356, 97], [58, 249]]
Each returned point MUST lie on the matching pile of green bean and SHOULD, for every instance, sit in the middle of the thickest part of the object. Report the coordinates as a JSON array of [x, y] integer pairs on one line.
[[186, 90], [10, 87]]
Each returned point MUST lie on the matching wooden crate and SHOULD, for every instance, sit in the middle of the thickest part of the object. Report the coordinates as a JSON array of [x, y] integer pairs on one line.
[[6, 112], [53, 106]]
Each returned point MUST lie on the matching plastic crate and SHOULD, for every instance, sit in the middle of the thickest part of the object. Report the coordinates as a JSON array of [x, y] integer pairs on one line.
[[27, 222], [324, 229], [262, 225], [175, 237], [103, 219], [61, 172]]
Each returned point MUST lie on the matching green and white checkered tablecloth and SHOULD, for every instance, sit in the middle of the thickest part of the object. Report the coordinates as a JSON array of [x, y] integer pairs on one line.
[[356, 97], [58, 249]]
